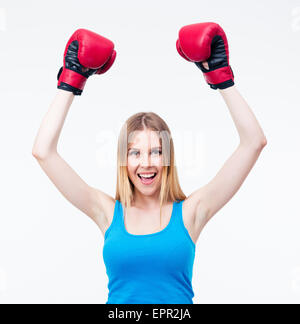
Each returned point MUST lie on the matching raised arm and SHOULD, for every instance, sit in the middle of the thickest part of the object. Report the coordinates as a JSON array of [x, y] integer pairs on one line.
[[72, 78], [206, 45], [66, 180], [215, 194]]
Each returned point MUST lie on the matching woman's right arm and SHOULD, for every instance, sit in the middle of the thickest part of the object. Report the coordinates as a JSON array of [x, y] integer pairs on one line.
[[91, 201]]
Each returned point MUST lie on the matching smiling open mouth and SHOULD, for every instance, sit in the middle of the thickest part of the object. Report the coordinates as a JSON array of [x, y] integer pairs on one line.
[[147, 179]]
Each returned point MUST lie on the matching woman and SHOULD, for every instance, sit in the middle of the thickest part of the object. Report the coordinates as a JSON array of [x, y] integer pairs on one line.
[[150, 228]]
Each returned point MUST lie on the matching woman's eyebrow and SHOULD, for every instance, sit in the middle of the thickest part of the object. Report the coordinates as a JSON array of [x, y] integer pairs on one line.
[[152, 148]]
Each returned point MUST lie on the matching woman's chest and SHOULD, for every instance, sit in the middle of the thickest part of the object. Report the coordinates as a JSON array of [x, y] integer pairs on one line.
[[139, 222]]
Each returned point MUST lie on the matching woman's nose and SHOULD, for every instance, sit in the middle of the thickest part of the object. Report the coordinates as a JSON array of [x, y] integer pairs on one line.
[[145, 159]]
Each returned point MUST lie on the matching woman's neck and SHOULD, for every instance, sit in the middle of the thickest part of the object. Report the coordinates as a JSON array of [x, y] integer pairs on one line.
[[146, 202]]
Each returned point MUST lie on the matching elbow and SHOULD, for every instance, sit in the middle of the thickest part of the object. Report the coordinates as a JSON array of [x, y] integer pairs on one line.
[[264, 142], [261, 144], [40, 154], [37, 154], [257, 145]]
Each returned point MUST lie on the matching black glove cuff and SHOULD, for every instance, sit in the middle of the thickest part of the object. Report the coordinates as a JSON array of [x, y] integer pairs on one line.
[[223, 85], [67, 87]]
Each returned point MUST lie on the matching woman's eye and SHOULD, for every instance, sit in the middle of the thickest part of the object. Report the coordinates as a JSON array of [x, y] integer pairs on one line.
[[156, 151], [135, 153]]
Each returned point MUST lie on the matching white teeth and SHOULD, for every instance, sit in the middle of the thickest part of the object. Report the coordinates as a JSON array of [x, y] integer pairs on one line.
[[147, 175]]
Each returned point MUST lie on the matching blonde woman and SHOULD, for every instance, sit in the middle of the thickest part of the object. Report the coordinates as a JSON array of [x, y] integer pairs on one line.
[[150, 227]]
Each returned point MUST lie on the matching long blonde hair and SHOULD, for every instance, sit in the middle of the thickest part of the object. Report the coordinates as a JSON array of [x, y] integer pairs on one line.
[[170, 189]]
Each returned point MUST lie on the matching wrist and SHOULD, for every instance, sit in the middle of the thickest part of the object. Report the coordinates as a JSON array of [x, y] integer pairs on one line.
[[65, 94], [228, 90]]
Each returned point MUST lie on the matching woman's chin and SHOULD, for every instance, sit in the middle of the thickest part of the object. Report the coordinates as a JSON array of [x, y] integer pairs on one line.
[[147, 189]]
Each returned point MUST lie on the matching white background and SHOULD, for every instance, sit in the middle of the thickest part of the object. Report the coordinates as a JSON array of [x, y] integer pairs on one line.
[[249, 252]]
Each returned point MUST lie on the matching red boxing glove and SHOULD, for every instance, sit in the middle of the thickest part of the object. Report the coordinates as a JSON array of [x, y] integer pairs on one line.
[[207, 42], [86, 53]]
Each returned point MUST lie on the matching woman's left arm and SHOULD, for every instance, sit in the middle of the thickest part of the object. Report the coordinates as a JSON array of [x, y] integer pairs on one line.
[[214, 195]]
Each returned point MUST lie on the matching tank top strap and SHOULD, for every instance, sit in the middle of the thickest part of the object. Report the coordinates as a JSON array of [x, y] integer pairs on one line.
[[177, 213], [179, 223], [116, 223], [119, 211]]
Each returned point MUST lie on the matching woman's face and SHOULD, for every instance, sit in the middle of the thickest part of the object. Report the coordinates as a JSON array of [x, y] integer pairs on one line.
[[144, 158]]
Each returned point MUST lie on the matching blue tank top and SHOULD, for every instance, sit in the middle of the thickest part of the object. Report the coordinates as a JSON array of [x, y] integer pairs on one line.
[[152, 268]]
